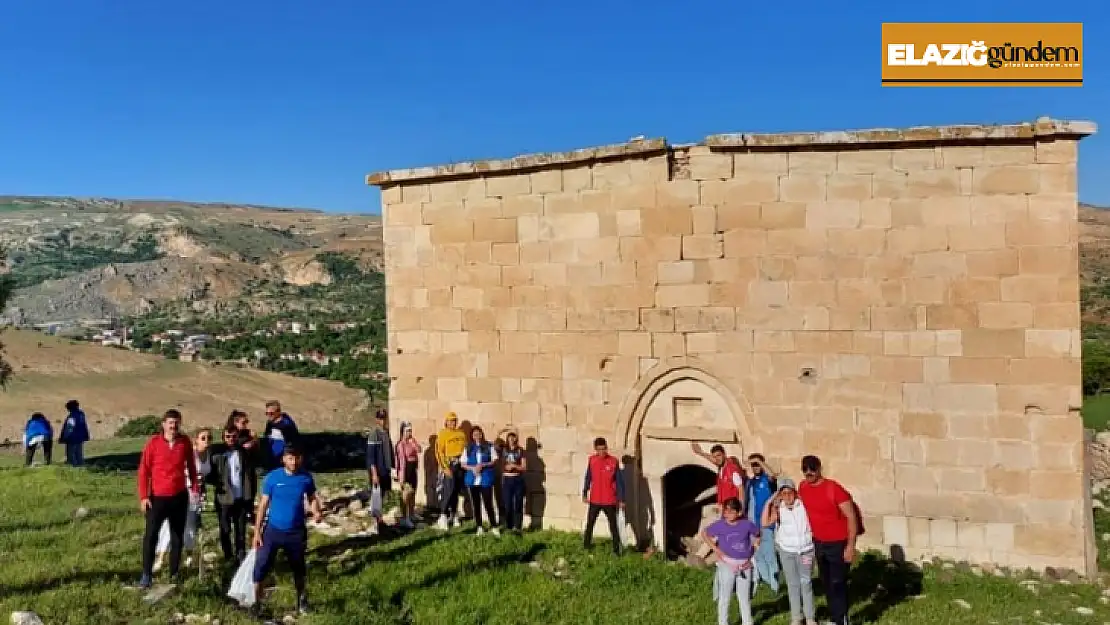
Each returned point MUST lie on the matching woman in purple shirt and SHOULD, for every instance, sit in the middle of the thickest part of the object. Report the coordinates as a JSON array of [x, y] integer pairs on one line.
[[733, 539]]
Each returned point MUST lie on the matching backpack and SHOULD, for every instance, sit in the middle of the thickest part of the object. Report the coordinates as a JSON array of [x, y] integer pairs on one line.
[[860, 529]]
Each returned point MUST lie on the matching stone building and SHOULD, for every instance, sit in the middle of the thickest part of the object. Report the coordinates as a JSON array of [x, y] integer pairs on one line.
[[902, 303]]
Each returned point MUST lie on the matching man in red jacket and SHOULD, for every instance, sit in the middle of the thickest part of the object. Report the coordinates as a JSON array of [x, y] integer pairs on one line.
[[731, 478], [166, 463], [604, 492]]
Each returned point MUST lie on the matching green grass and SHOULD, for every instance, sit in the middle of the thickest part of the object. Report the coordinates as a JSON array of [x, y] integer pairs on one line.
[[1096, 412], [71, 571]]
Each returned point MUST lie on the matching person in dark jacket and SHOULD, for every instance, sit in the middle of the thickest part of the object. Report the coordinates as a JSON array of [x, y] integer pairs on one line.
[[280, 431], [75, 433], [235, 483], [38, 433], [379, 454], [603, 491]]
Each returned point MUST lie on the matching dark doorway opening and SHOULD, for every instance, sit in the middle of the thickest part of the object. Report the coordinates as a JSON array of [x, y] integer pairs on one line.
[[687, 489]]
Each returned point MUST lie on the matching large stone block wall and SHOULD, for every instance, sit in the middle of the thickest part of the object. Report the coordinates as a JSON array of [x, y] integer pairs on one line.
[[903, 304]]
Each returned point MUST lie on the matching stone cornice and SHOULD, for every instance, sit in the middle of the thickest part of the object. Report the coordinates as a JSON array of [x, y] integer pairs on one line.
[[1043, 128]]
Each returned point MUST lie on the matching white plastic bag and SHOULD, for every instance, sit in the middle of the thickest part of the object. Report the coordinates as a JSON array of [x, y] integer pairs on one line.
[[376, 502], [242, 585], [622, 527]]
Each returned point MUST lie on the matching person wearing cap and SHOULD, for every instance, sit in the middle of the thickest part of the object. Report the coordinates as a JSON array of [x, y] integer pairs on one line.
[[450, 445], [794, 544], [407, 457], [284, 493]]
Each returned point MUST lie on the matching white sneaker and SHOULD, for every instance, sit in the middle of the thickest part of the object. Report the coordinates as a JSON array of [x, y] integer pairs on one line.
[[455, 522], [480, 531], [495, 531], [442, 524]]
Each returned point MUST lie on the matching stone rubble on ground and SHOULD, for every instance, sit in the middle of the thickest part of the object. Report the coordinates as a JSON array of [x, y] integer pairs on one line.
[[26, 618]]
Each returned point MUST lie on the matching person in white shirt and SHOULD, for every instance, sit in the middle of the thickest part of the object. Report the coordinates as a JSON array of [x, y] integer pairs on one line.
[[794, 543]]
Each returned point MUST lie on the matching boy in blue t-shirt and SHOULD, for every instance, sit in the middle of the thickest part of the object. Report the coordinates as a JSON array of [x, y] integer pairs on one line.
[[284, 492]]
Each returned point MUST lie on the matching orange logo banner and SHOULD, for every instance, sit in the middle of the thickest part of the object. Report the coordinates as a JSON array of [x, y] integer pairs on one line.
[[983, 55]]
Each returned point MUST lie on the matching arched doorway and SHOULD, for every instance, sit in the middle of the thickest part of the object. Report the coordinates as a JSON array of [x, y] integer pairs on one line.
[[676, 403], [687, 489]]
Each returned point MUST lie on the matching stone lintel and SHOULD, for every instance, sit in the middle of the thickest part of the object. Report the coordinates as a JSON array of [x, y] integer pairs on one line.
[[690, 433], [1043, 128]]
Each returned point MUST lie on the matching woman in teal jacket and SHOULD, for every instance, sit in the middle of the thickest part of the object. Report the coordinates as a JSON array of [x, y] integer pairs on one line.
[[479, 461]]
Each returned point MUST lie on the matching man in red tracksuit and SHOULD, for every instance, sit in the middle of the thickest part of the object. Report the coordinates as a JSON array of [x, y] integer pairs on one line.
[[166, 463], [604, 492]]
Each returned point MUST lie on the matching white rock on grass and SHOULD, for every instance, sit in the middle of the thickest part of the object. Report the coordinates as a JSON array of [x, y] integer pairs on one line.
[[961, 603], [1084, 611], [26, 618], [80, 513]]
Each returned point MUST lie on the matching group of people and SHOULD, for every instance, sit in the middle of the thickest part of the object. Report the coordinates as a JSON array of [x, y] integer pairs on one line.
[[768, 520], [466, 463], [767, 524], [176, 471], [38, 434]]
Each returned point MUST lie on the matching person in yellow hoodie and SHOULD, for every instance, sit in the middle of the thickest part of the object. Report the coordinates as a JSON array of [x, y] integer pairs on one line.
[[450, 444]]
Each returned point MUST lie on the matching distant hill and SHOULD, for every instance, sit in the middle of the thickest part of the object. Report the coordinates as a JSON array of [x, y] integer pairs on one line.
[[76, 258], [114, 385]]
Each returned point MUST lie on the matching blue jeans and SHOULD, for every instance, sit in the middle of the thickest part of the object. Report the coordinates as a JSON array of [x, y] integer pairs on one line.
[[512, 491], [75, 454], [766, 562]]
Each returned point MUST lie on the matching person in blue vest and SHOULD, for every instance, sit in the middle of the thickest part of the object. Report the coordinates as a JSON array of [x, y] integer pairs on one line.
[[75, 433], [280, 431], [38, 433], [761, 487], [479, 461]]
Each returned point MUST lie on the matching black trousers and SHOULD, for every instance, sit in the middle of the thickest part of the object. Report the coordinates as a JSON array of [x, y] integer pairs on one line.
[[233, 527], [512, 491], [173, 509], [47, 451], [479, 496], [834, 578], [451, 507], [591, 520]]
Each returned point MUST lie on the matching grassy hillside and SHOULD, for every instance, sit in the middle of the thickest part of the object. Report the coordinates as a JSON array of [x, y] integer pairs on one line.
[[71, 570], [114, 385]]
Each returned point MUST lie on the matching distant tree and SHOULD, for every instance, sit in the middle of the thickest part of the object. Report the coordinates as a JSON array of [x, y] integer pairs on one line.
[[7, 287]]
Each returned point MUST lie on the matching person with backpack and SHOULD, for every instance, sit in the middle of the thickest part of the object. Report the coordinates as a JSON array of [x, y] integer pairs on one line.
[[794, 543], [75, 433], [38, 433], [835, 523]]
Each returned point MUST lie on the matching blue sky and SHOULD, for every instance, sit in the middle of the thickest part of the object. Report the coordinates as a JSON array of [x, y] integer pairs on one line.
[[291, 102]]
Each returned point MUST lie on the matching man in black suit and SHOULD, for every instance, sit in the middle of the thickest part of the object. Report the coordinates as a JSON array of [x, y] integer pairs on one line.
[[236, 483]]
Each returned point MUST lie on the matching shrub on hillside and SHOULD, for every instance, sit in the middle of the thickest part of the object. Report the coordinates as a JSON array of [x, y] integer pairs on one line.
[[146, 425]]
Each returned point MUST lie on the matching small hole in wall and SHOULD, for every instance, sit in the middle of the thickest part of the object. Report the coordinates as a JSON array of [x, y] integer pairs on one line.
[[400, 351], [808, 375], [1033, 409], [603, 364]]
